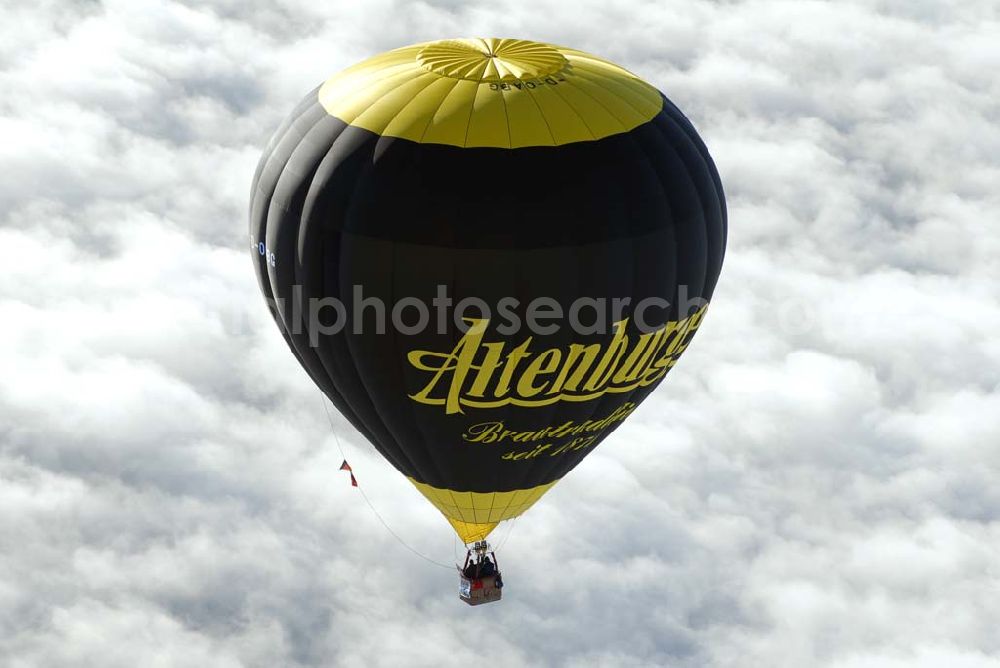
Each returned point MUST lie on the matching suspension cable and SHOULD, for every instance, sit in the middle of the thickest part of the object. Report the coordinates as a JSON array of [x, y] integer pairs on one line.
[[510, 530], [402, 542]]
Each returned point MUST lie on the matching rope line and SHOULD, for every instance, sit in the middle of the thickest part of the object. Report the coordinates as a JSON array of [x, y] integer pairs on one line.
[[402, 542], [510, 530]]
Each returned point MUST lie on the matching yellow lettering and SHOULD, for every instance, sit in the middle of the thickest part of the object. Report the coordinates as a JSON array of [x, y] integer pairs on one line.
[[458, 362], [482, 374], [544, 363], [611, 356], [486, 369], [484, 432]]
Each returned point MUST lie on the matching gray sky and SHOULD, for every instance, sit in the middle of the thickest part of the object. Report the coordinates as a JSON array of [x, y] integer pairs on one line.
[[815, 485]]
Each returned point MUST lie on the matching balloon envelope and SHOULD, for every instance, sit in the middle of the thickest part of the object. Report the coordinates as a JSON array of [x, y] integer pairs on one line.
[[422, 219]]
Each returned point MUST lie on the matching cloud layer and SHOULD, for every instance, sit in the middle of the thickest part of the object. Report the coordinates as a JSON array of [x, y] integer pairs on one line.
[[814, 486]]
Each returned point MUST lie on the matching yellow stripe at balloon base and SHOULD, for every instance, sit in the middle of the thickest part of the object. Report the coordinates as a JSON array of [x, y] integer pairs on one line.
[[474, 515], [470, 532]]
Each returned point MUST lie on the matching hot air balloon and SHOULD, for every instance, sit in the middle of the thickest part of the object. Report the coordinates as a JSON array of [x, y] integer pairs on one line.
[[486, 253]]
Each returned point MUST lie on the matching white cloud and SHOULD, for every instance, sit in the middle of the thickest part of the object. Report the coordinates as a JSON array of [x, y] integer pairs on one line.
[[815, 485]]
